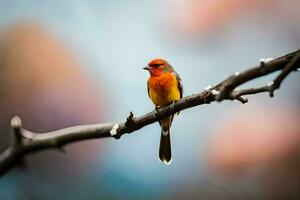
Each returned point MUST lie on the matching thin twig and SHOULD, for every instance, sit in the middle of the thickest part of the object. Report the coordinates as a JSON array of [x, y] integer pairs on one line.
[[26, 142]]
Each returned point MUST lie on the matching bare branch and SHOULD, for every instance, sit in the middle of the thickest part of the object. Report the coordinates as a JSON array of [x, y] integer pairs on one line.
[[238, 93], [289, 62], [26, 142], [290, 66]]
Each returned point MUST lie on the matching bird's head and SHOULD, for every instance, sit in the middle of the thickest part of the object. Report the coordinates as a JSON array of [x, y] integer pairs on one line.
[[158, 67]]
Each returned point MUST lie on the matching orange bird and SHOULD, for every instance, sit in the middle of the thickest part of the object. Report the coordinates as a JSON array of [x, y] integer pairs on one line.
[[164, 88]]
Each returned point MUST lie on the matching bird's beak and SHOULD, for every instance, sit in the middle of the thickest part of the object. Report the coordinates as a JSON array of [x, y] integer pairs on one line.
[[146, 68]]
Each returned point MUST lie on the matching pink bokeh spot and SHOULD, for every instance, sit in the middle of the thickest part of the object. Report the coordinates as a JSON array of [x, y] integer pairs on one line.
[[249, 139]]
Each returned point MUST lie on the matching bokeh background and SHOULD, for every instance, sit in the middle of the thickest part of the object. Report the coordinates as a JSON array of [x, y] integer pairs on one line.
[[67, 63]]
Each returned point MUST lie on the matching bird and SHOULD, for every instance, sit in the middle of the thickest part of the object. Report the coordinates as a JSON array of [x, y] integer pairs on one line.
[[164, 88]]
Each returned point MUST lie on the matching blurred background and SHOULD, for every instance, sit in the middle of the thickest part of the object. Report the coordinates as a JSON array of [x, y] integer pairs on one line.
[[66, 63]]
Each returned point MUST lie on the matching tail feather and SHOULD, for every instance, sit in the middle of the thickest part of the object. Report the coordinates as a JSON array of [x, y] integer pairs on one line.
[[165, 154]]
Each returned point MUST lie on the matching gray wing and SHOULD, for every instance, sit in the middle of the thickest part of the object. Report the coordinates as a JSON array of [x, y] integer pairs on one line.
[[180, 85]]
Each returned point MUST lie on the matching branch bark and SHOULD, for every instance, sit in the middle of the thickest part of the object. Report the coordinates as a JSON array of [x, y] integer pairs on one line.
[[26, 142]]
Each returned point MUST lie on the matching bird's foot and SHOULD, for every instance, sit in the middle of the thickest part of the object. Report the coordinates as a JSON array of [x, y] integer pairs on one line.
[[172, 106], [156, 111]]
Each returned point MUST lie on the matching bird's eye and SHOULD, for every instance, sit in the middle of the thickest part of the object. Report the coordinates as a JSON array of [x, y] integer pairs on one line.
[[156, 65]]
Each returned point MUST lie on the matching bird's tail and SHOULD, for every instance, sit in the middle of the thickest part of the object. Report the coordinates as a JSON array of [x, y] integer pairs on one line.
[[165, 154]]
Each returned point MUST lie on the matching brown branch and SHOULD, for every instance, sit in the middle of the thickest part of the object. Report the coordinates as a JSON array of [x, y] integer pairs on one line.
[[26, 142], [287, 63]]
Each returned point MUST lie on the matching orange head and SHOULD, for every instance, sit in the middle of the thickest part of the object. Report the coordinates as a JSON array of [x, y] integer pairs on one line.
[[158, 66]]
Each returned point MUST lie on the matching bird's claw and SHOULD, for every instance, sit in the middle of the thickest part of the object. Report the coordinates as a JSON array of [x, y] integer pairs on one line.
[[156, 111], [172, 106]]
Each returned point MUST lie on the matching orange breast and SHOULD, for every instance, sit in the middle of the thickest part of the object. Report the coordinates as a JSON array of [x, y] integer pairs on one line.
[[163, 89]]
